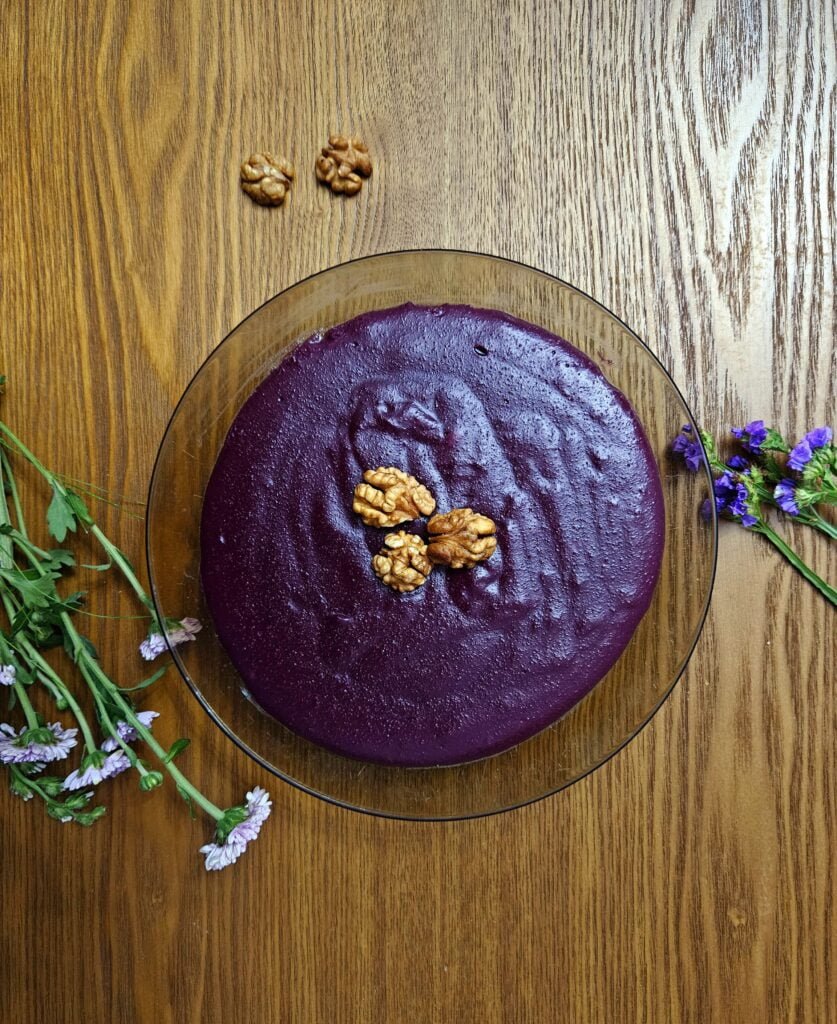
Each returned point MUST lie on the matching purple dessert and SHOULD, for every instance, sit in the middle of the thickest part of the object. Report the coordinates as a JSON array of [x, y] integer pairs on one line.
[[488, 412]]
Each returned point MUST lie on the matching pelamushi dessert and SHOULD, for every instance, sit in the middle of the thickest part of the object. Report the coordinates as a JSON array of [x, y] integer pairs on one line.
[[512, 547]]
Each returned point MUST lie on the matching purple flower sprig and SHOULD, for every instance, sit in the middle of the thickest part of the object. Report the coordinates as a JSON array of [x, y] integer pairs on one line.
[[745, 486], [759, 439], [38, 616]]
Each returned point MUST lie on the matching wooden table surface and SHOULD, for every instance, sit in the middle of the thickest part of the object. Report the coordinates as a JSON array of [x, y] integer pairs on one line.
[[677, 161]]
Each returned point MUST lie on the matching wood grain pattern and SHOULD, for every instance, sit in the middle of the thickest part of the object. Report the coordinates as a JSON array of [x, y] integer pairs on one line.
[[674, 158]]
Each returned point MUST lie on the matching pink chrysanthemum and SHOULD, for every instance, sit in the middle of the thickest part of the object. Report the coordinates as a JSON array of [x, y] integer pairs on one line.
[[183, 632], [220, 855], [20, 748]]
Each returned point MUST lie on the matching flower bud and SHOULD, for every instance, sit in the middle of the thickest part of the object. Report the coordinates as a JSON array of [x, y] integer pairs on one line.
[[150, 781]]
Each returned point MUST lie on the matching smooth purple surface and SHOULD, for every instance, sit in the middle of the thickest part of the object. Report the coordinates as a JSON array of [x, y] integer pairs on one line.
[[475, 661]]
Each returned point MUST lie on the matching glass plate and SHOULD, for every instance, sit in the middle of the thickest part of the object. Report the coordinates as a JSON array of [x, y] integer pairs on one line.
[[611, 714]]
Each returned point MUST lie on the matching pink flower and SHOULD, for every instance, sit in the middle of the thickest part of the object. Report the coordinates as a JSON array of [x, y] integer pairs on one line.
[[127, 732], [90, 775], [182, 632], [219, 855], [153, 645], [45, 743], [97, 767]]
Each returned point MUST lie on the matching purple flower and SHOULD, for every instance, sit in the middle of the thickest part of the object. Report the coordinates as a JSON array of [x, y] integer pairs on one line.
[[731, 496], [752, 436], [187, 630], [127, 732], [737, 462], [115, 763], [725, 492], [44, 743], [219, 855], [153, 645], [802, 454], [87, 775], [8, 674], [785, 495], [689, 449], [97, 767], [181, 632]]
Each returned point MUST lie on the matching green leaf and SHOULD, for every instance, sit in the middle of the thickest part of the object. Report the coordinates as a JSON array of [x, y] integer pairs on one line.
[[88, 646], [59, 811], [176, 748], [37, 592], [19, 787], [188, 800], [60, 516], [774, 442], [60, 558], [72, 602], [78, 508], [51, 785], [78, 800], [97, 568], [146, 682], [87, 818]]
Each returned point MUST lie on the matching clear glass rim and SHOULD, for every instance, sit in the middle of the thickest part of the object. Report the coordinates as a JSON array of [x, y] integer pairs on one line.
[[382, 813]]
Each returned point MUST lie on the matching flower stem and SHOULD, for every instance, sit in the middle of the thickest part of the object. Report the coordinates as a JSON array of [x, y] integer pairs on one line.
[[811, 517], [58, 688], [120, 560], [93, 672], [112, 550], [770, 534], [36, 661], [28, 711], [97, 677]]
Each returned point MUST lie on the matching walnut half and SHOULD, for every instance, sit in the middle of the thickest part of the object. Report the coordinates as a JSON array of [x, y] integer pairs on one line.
[[265, 179], [461, 538], [402, 562], [389, 496], [341, 164]]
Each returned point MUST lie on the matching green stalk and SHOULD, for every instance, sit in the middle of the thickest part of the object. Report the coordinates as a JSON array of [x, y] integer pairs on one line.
[[33, 656], [93, 672], [28, 711], [130, 753], [811, 517], [91, 667], [112, 550], [7, 466], [824, 588], [53, 682], [31, 783]]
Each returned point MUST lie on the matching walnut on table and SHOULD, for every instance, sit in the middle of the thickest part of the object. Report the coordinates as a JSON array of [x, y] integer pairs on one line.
[[402, 562], [461, 538], [341, 164], [388, 496], [265, 179]]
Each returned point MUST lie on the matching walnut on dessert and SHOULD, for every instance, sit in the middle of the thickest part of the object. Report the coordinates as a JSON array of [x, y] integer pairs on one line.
[[389, 496], [341, 164], [265, 179], [461, 538], [402, 562]]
